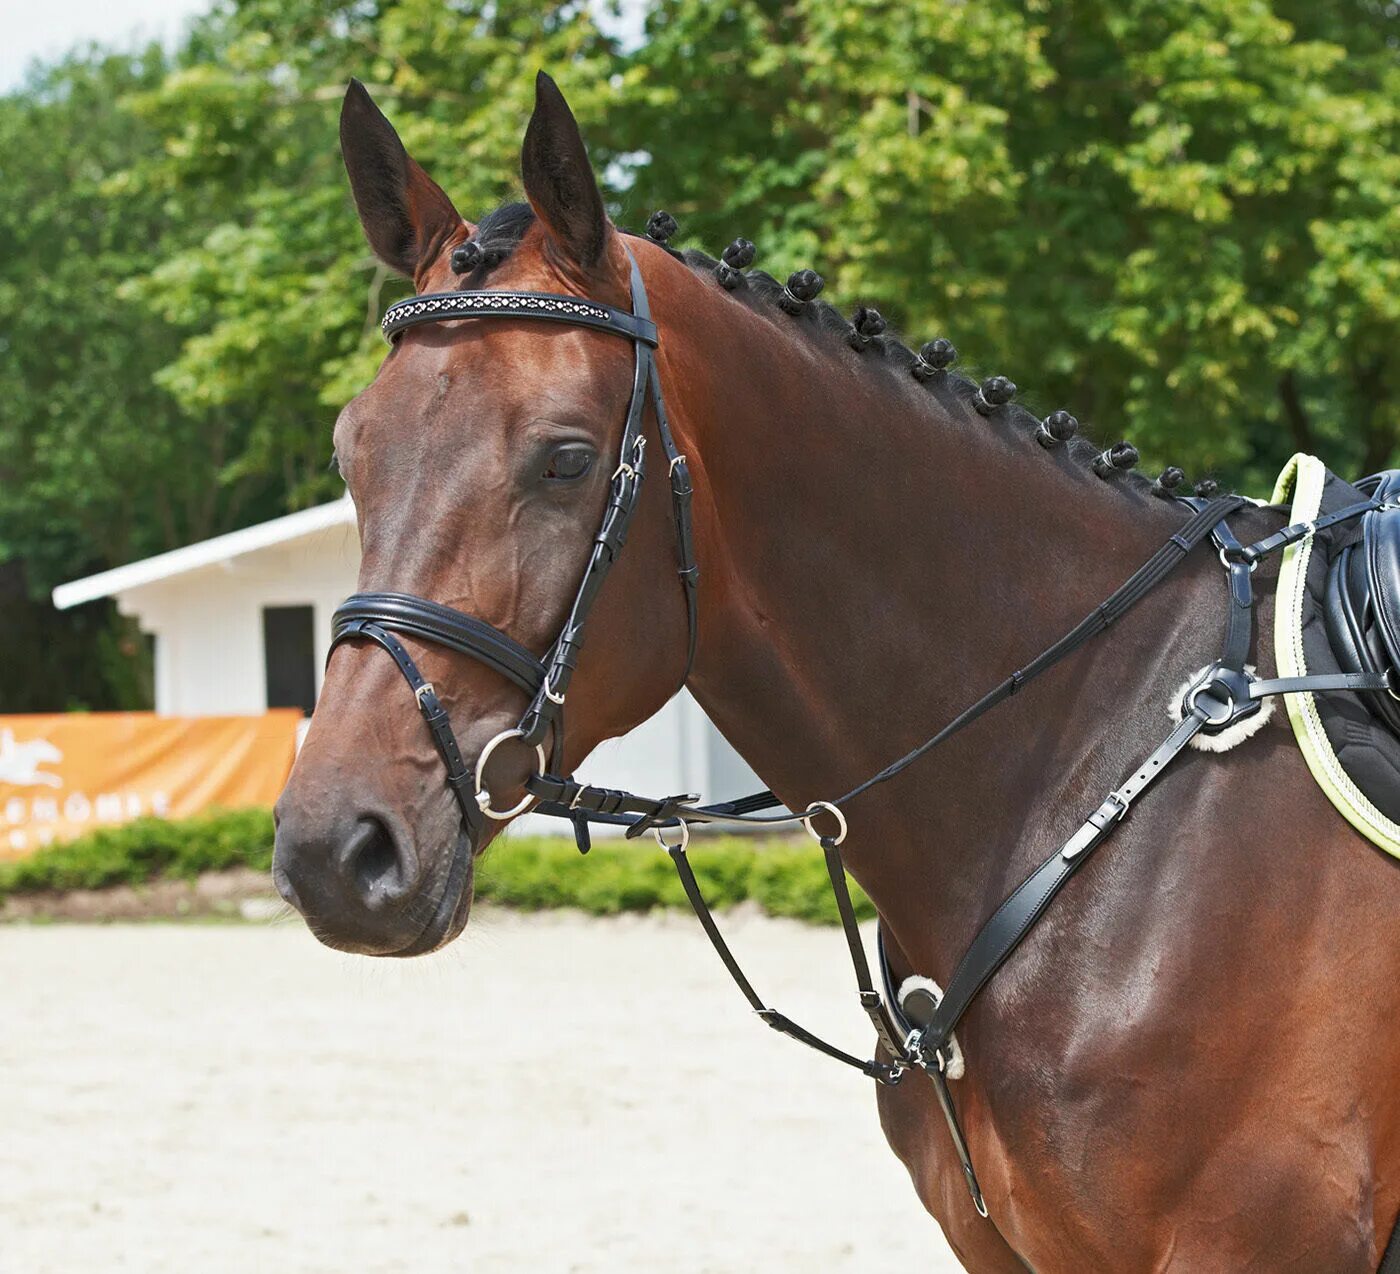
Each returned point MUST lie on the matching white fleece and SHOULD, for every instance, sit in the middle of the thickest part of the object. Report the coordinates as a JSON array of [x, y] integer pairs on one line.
[[1227, 738], [956, 1065]]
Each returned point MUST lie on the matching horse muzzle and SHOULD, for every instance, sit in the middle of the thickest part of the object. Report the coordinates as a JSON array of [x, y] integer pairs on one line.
[[363, 886]]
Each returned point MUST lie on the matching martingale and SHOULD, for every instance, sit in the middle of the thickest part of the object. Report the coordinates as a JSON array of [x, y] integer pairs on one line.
[[917, 1031]]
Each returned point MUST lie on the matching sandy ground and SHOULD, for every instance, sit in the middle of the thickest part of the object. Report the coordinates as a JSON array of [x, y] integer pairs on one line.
[[552, 1093]]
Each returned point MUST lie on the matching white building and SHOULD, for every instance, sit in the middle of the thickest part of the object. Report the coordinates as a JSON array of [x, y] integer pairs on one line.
[[242, 623]]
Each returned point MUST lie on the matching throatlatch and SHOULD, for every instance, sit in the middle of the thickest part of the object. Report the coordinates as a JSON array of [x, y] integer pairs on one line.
[[918, 1032]]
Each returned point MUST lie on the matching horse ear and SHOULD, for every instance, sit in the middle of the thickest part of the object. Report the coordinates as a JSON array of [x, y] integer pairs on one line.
[[559, 181], [407, 218]]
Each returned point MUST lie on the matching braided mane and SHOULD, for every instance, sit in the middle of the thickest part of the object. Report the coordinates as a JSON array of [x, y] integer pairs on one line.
[[501, 231]]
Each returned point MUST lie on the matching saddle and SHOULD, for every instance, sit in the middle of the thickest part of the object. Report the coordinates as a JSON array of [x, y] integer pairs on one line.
[[1339, 611], [1361, 604]]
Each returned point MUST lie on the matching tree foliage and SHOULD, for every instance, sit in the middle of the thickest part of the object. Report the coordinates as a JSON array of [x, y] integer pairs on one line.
[[1178, 218]]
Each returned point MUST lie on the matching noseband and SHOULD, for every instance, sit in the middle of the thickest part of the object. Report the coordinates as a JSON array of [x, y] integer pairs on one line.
[[383, 617]]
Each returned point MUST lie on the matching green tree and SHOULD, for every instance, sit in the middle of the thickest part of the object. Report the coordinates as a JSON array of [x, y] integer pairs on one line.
[[282, 297], [1177, 217], [185, 296], [97, 463]]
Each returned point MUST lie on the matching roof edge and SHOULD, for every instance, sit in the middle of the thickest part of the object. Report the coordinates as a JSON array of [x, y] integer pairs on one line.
[[205, 553]]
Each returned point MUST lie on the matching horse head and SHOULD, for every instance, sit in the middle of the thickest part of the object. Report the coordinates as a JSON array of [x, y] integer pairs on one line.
[[481, 461]]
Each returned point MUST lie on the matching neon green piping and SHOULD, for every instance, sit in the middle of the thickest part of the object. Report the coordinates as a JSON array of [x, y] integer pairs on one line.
[[1309, 474]]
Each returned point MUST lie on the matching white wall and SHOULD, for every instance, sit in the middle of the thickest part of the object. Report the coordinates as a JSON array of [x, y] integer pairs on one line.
[[209, 661]]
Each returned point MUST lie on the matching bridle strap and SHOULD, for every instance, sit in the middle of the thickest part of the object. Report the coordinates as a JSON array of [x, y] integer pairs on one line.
[[681, 493], [545, 680], [459, 778], [429, 621], [623, 499], [650, 812], [442, 307]]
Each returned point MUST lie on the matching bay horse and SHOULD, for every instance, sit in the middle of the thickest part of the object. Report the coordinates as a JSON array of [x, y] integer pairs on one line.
[[1183, 1066]]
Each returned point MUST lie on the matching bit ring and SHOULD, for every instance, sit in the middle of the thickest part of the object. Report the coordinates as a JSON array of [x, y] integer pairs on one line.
[[483, 797]]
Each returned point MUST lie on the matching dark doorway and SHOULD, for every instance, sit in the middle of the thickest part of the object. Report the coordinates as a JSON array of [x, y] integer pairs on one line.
[[289, 657]]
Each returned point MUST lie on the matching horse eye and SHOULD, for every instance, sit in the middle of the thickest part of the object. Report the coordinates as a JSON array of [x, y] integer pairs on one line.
[[569, 463]]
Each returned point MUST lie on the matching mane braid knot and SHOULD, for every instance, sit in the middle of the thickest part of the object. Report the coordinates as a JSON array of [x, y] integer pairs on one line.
[[994, 392], [1167, 482], [867, 324], [730, 271], [802, 286], [1056, 428], [933, 359], [466, 257], [1118, 458], [661, 225], [1206, 488]]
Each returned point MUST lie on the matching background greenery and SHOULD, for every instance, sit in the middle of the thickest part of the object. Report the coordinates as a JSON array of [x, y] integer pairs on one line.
[[1176, 217], [785, 877]]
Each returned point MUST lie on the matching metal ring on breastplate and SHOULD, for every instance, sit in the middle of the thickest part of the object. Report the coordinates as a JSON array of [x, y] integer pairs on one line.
[[1221, 691], [659, 833], [817, 807]]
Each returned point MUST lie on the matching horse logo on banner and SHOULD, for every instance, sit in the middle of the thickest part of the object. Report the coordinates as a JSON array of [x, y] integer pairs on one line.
[[20, 762]]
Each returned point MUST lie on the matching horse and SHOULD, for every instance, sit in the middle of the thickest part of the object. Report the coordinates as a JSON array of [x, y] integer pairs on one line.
[[1182, 1066]]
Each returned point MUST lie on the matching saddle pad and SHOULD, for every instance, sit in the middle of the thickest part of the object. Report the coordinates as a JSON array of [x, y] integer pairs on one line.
[[1353, 757]]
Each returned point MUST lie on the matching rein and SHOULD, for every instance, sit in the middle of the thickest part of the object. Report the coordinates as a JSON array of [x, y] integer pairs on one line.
[[914, 1034]]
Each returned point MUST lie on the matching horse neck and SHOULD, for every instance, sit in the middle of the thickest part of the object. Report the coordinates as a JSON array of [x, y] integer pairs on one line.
[[875, 555]]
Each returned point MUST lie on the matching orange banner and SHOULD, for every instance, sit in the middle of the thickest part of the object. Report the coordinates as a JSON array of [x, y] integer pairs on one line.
[[65, 774]]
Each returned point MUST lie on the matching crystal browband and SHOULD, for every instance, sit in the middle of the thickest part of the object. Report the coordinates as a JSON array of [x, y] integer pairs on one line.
[[436, 307]]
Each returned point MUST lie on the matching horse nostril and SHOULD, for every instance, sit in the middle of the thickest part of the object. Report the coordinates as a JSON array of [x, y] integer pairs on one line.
[[372, 861], [285, 886]]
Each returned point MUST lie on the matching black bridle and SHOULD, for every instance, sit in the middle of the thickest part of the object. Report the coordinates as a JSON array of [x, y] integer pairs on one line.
[[920, 1036], [378, 617]]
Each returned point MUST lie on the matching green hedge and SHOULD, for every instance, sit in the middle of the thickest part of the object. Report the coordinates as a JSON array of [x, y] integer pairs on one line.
[[146, 849], [785, 877]]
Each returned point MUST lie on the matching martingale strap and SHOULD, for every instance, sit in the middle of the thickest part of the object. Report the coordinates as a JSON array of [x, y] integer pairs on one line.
[[870, 998], [1219, 696]]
